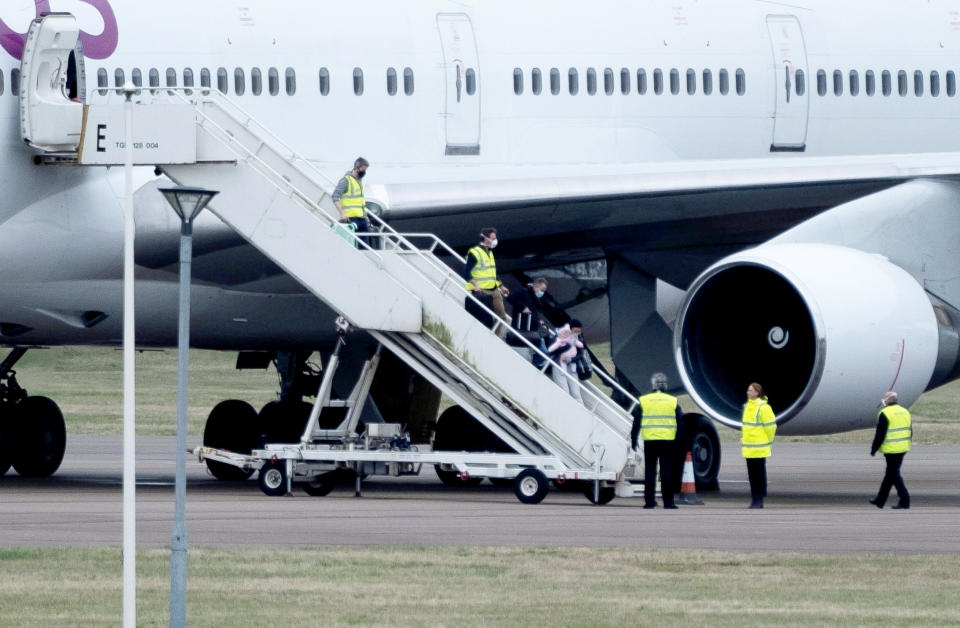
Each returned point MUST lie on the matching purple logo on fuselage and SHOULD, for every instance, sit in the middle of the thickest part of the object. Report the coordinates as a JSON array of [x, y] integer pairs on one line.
[[94, 46]]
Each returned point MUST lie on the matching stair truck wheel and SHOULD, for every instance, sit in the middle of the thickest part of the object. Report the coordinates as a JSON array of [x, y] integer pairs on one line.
[[606, 494], [531, 486], [230, 426], [273, 478], [321, 485], [40, 436]]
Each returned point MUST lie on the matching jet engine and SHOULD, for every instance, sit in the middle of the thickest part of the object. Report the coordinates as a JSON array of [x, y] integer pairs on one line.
[[825, 329]]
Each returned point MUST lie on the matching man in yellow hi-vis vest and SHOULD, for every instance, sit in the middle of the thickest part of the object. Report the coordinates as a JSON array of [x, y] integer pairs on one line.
[[480, 273], [657, 420], [348, 197], [893, 436]]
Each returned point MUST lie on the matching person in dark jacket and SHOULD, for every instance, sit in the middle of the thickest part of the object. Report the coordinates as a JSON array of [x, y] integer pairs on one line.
[[892, 439], [659, 419], [528, 316]]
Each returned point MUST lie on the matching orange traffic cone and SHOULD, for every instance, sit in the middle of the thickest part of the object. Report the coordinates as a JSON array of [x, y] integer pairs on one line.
[[688, 485]]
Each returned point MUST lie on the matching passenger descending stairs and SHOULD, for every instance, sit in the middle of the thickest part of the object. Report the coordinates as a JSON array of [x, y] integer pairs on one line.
[[403, 294]]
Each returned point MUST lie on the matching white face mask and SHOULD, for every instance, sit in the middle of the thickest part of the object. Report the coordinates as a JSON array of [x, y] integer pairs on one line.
[[493, 243], [539, 294]]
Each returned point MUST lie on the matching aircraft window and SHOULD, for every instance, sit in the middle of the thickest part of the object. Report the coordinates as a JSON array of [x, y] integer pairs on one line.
[[291, 76], [205, 77], [886, 85], [15, 82], [517, 81], [624, 81], [273, 81], [800, 82], [934, 83], [471, 82], [608, 81], [408, 81], [691, 82], [741, 82], [223, 80], [188, 79], [154, 79], [101, 81], [391, 82], [136, 77], [119, 79], [573, 81], [658, 81], [591, 81], [724, 82], [641, 81], [821, 82], [324, 81], [357, 82], [554, 81], [256, 81], [951, 84], [918, 83], [171, 77], [902, 82], [674, 81], [1, 82], [239, 81], [871, 83], [854, 83], [837, 83], [707, 82], [536, 81]]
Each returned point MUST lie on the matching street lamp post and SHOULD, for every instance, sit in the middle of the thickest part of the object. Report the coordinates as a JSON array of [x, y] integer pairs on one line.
[[188, 203]]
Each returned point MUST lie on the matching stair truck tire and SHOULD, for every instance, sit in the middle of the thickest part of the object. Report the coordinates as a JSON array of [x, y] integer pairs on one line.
[[273, 478], [531, 486], [321, 485]]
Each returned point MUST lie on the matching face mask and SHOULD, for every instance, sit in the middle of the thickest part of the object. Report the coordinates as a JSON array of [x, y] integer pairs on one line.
[[493, 243], [539, 293], [361, 174]]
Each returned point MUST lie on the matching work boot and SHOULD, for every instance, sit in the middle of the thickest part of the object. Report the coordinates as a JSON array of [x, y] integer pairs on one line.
[[649, 506], [670, 506], [901, 506], [876, 503], [756, 502]]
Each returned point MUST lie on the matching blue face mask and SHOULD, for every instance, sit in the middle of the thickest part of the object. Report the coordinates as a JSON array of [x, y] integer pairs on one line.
[[539, 294]]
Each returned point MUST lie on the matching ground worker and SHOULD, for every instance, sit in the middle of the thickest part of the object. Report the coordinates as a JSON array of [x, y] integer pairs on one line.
[[657, 420], [758, 426], [348, 197], [480, 272], [894, 432]]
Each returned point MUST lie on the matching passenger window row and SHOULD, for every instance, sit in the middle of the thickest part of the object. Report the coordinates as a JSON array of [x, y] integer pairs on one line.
[[690, 82], [187, 79], [921, 82]]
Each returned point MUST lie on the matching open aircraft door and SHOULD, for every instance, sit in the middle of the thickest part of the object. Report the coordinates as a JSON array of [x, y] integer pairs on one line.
[[791, 83], [462, 79], [51, 112]]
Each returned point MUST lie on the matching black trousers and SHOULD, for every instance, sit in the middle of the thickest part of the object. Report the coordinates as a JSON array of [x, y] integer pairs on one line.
[[664, 451], [892, 478], [363, 226], [757, 472]]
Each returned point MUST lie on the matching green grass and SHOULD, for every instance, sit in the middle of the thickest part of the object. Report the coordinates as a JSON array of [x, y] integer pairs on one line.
[[444, 586]]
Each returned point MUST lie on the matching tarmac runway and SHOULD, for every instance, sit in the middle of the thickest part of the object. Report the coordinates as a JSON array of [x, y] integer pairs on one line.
[[817, 503]]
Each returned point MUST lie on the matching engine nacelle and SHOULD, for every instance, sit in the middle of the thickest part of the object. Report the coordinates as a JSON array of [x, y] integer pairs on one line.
[[825, 329]]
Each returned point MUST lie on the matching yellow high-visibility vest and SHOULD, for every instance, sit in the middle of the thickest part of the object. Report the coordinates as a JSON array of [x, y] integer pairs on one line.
[[352, 201], [899, 430], [659, 420], [757, 430], [485, 270]]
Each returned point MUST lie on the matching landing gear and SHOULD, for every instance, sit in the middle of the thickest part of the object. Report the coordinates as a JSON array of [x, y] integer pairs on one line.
[[705, 447], [33, 435], [458, 431], [605, 494], [230, 426]]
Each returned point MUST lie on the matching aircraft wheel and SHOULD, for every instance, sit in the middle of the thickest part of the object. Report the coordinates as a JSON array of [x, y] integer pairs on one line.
[[606, 494], [5, 437], [705, 447], [502, 482], [230, 426], [453, 479], [273, 478], [40, 436], [531, 486], [321, 485], [282, 421]]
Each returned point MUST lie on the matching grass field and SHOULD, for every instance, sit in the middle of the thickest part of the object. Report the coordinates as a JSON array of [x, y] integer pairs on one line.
[[87, 383], [443, 586]]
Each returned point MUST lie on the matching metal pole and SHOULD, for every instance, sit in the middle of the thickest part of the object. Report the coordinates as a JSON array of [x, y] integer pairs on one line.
[[178, 543], [129, 421]]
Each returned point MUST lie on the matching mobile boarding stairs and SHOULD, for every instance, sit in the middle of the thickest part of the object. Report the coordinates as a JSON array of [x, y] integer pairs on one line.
[[412, 304]]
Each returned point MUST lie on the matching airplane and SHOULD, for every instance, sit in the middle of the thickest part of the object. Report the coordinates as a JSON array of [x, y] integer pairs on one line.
[[768, 188]]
